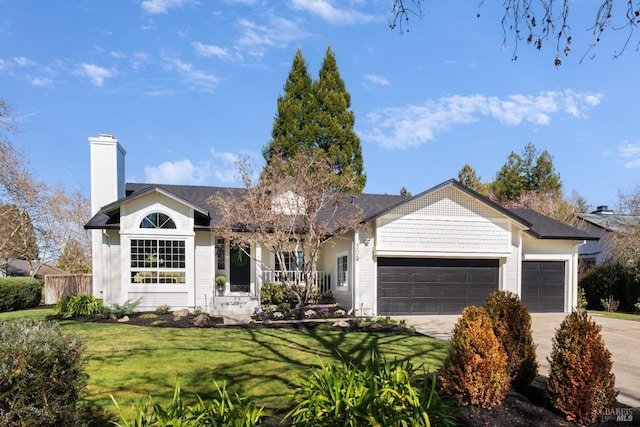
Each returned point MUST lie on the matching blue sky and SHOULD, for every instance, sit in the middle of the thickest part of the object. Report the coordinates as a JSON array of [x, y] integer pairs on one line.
[[188, 85]]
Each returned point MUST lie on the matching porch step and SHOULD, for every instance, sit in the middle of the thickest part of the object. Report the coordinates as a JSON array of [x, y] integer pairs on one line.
[[223, 305]]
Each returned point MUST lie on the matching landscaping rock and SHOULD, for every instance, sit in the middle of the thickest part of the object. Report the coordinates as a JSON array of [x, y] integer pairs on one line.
[[124, 319], [341, 324], [201, 321], [181, 313]]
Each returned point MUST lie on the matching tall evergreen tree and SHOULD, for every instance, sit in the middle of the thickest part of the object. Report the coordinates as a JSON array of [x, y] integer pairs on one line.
[[293, 124], [531, 172], [468, 177], [335, 121], [315, 115]]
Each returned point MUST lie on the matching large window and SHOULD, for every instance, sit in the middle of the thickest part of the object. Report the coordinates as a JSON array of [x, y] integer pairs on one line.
[[343, 271], [293, 261], [158, 261]]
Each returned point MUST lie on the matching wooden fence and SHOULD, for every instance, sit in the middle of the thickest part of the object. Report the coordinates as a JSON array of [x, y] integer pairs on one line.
[[58, 285]]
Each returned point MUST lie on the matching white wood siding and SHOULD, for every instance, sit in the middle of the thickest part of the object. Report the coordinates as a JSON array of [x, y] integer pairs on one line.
[[510, 268], [328, 262], [204, 269], [445, 222], [134, 211], [150, 301], [154, 295], [366, 280]]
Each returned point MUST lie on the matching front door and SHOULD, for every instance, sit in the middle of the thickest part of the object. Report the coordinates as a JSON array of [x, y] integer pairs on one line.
[[239, 270]]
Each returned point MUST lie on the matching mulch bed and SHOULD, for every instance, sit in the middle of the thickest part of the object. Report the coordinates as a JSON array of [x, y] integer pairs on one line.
[[524, 407]]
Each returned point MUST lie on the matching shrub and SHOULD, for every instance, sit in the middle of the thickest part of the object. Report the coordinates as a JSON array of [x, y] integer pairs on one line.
[[610, 305], [621, 282], [376, 393], [475, 369], [41, 375], [164, 309], [220, 411], [580, 381], [118, 311], [19, 293], [582, 299], [512, 326], [272, 293], [77, 305]]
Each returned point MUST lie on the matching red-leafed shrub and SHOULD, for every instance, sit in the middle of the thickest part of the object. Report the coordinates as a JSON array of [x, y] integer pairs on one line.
[[580, 381], [512, 327], [475, 370]]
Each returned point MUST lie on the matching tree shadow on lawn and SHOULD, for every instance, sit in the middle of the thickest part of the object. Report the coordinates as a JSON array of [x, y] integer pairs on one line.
[[258, 363]]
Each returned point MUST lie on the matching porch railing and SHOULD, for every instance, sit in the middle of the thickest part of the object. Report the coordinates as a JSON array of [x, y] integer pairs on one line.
[[322, 278]]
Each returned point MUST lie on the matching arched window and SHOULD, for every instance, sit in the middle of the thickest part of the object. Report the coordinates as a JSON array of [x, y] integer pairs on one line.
[[157, 220]]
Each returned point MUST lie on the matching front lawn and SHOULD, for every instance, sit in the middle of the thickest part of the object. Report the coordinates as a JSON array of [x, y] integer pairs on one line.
[[132, 362], [616, 315]]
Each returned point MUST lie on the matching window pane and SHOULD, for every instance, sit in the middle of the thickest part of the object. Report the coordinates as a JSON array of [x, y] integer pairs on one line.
[[150, 260], [157, 220], [343, 271], [220, 254]]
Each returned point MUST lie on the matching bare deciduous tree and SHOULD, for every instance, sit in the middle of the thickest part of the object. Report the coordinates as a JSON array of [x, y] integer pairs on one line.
[[54, 215], [294, 208], [538, 22]]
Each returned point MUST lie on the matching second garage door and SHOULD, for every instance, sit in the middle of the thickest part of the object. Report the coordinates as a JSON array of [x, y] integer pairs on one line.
[[543, 286], [423, 286]]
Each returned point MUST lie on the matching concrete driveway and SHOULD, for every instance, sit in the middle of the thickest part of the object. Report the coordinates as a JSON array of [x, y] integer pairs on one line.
[[622, 338]]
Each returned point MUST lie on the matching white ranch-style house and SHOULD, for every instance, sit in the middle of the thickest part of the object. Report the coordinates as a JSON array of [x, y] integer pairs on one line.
[[432, 253]]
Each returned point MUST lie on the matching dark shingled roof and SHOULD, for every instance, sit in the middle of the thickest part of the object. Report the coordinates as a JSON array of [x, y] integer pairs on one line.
[[543, 227], [372, 206]]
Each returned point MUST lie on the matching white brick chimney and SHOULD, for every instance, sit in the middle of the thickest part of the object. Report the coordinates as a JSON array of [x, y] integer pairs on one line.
[[107, 171]]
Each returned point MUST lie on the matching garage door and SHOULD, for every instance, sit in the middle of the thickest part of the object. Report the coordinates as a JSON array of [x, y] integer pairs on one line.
[[433, 286], [543, 286]]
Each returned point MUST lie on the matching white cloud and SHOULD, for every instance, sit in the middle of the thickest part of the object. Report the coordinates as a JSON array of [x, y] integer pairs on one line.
[[327, 11], [156, 7], [376, 79], [414, 125], [630, 152], [95, 73], [225, 170], [277, 32], [209, 50], [21, 61], [198, 79], [38, 81], [221, 169], [178, 172]]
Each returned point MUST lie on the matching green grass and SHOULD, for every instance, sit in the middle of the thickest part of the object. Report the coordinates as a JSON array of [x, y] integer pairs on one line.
[[131, 362], [616, 315]]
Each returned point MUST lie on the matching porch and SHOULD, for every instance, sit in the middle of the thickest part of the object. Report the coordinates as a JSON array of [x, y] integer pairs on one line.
[[321, 278]]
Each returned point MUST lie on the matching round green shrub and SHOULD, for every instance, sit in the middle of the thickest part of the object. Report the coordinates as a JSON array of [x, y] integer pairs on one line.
[[41, 375], [512, 326], [475, 370], [580, 383], [19, 293]]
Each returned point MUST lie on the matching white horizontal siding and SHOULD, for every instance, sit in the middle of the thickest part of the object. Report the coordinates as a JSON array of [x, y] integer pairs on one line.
[[422, 234], [204, 269], [149, 301], [366, 282], [134, 211]]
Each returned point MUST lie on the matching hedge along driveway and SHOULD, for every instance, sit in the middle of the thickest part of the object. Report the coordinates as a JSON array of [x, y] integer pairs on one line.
[[133, 362]]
